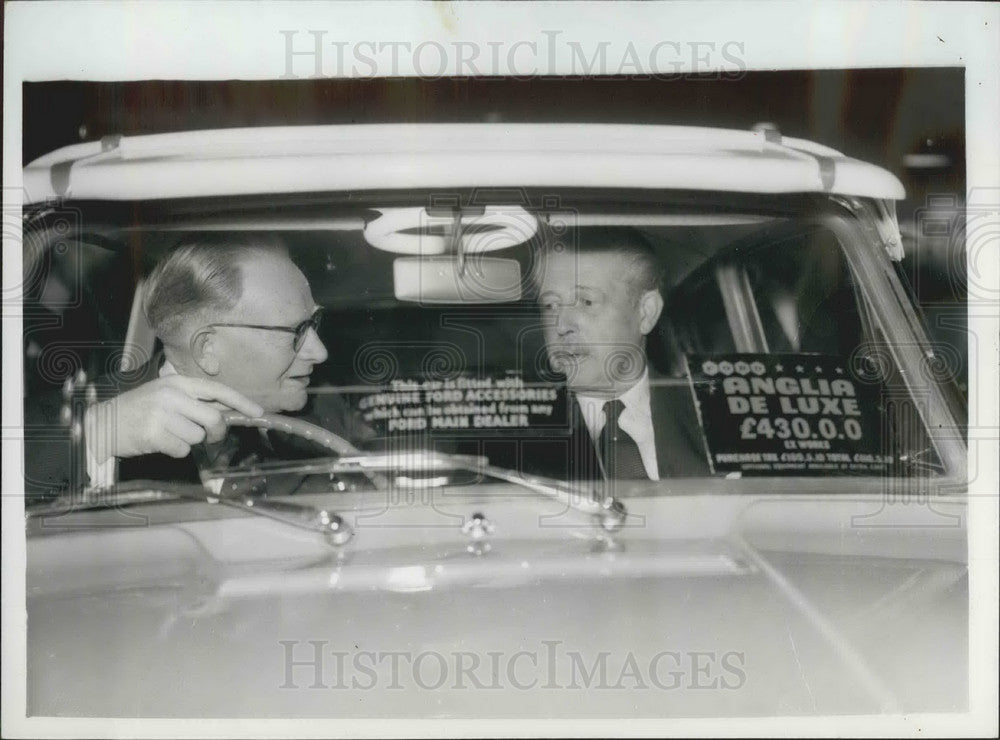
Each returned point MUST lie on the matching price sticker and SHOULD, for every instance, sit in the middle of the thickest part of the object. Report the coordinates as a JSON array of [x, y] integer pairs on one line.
[[787, 414]]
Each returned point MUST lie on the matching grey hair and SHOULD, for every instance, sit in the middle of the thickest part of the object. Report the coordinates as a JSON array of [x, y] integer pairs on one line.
[[637, 259], [201, 278]]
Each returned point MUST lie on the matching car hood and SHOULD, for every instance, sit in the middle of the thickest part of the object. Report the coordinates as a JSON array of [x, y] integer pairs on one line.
[[701, 605]]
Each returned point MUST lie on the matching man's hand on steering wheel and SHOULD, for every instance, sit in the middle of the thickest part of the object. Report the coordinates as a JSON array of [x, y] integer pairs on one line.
[[166, 415]]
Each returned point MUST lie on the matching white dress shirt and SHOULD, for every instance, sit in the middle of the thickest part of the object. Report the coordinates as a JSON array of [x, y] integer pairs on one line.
[[636, 419]]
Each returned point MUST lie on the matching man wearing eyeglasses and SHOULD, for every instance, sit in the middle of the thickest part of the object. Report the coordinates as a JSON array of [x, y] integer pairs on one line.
[[237, 321]]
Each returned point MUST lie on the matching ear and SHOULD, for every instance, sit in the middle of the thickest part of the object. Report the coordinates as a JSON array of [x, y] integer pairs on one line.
[[205, 351], [650, 307]]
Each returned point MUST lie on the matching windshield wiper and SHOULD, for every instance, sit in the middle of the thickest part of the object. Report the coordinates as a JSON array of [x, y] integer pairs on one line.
[[330, 525], [609, 513]]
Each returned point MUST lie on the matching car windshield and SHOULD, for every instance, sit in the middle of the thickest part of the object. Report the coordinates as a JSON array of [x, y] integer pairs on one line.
[[457, 355]]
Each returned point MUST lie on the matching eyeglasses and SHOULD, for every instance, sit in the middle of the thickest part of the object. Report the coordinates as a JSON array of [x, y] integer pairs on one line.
[[300, 330]]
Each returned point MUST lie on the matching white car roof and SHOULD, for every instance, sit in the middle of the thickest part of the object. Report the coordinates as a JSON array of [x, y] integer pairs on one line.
[[292, 159]]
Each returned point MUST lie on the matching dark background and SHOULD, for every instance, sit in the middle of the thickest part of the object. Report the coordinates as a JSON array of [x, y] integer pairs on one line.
[[884, 116], [877, 115]]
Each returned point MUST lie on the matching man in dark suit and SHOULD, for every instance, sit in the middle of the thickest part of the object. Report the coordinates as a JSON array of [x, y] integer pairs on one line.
[[599, 300], [237, 322]]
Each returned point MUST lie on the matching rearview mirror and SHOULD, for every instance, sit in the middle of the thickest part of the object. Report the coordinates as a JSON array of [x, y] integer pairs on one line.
[[452, 280]]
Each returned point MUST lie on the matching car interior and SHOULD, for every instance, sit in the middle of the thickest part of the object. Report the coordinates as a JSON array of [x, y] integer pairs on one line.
[[796, 285], [736, 282]]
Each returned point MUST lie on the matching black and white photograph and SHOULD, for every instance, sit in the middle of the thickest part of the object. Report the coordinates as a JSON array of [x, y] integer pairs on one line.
[[487, 370]]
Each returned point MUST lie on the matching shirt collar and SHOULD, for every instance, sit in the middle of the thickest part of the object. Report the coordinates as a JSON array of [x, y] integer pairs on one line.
[[635, 399]]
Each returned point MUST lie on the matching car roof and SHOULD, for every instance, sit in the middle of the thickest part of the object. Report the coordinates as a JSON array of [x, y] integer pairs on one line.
[[291, 159]]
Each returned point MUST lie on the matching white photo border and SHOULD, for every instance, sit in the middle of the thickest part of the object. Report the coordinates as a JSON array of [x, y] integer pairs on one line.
[[102, 41]]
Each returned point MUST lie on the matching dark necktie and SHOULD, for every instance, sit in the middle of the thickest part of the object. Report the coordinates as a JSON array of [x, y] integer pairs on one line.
[[618, 450]]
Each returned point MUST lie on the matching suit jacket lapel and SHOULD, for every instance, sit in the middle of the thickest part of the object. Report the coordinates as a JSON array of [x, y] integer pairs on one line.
[[679, 446]]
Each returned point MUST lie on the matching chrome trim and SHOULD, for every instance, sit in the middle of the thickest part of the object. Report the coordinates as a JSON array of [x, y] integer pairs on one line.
[[740, 307]]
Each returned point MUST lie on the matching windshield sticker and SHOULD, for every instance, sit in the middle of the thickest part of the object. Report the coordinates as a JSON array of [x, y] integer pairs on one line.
[[464, 404], [792, 414]]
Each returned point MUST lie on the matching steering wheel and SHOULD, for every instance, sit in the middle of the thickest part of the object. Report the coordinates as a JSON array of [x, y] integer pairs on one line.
[[307, 430], [288, 425]]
